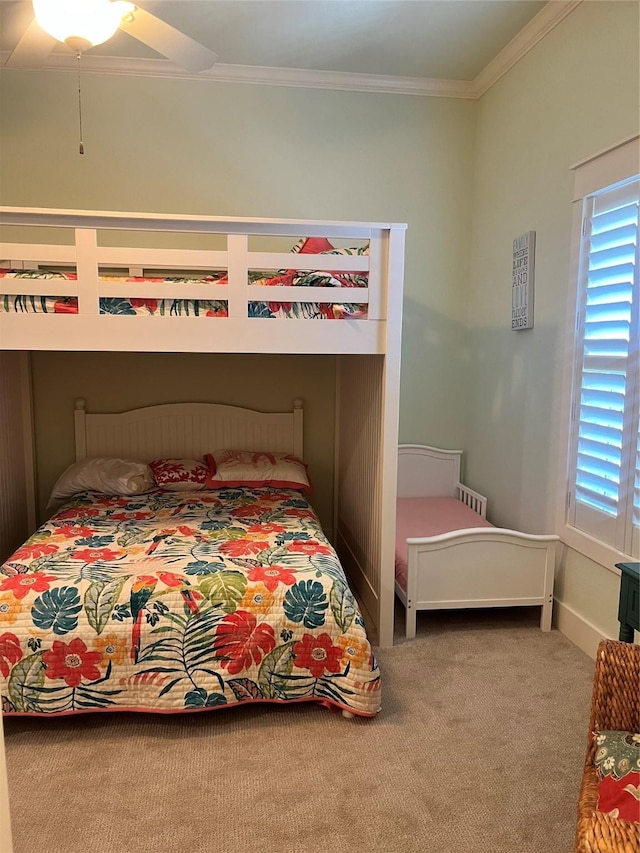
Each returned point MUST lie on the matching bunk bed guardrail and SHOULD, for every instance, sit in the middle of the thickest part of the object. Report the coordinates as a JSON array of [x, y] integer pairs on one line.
[[105, 272]]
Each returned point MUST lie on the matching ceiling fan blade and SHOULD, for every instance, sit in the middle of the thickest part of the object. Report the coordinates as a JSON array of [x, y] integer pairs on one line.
[[32, 49], [165, 39]]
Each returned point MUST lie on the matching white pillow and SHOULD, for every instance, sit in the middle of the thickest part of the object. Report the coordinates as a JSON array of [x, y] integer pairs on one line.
[[105, 475]]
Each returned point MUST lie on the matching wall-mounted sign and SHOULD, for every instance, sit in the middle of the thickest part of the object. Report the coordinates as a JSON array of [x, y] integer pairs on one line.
[[524, 248]]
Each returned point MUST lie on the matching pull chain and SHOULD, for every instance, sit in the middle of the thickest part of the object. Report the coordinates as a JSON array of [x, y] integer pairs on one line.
[[81, 145]]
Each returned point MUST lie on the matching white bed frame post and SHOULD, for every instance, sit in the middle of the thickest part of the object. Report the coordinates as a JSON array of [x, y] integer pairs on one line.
[[390, 425], [411, 596], [549, 578], [79, 418], [237, 248], [298, 431], [87, 266], [367, 399], [18, 484]]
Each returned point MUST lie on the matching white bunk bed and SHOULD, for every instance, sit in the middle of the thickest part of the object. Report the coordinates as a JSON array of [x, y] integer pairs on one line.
[[97, 247], [478, 566], [97, 253]]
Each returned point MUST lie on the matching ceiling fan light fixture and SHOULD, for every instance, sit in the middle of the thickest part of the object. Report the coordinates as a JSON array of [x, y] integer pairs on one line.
[[81, 23]]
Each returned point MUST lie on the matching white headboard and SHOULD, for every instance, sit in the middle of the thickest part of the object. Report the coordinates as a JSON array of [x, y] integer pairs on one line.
[[185, 431], [428, 472]]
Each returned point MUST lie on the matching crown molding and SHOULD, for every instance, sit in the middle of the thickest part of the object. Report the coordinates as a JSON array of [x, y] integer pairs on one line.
[[341, 81], [540, 26], [256, 74]]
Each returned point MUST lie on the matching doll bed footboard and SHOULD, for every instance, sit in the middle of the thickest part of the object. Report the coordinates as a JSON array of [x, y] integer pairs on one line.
[[478, 567]]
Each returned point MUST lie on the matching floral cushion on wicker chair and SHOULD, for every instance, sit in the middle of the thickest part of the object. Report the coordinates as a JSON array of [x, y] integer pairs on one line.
[[617, 761]]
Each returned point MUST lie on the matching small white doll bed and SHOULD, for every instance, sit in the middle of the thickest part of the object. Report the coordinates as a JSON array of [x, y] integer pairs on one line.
[[448, 556]]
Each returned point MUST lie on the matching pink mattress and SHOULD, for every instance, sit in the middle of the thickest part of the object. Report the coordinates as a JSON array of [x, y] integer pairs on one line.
[[417, 517]]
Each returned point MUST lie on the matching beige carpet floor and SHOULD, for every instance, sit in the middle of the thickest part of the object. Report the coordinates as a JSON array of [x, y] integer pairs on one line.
[[478, 749]]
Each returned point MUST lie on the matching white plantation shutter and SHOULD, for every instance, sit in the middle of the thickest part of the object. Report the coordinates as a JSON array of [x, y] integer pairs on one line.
[[604, 487]]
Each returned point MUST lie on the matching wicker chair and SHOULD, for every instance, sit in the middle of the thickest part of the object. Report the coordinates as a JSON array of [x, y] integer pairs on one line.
[[615, 705]]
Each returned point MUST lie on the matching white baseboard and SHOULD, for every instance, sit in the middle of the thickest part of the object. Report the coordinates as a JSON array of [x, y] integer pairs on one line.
[[575, 628]]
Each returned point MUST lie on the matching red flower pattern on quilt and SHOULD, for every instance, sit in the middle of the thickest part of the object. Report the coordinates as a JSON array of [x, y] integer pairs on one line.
[[92, 555], [71, 531], [10, 652], [76, 512], [71, 661], [271, 576], [243, 547], [301, 546], [253, 511], [131, 516], [22, 584], [268, 527], [241, 640], [317, 654], [32, 552], [300, 513]]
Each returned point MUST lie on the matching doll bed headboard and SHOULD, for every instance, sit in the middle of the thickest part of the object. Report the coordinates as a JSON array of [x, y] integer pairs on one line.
[[185, 431], [427, 472]]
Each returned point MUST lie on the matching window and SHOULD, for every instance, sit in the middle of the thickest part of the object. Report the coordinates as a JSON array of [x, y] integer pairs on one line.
[[603, 483]]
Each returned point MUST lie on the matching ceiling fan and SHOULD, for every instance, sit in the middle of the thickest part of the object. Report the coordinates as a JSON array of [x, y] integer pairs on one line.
[[82, 24]]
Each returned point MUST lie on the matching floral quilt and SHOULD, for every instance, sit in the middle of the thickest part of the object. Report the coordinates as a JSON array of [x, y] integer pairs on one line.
[[175, 601], [22, 304], [309, 310]]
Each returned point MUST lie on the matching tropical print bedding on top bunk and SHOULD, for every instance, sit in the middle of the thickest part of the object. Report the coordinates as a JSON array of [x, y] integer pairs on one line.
[[22, 304], [181, 601], [196, 307]]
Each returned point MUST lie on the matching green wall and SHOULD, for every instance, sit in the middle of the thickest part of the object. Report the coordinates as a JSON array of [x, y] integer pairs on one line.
[[240, 150], [575, 94]]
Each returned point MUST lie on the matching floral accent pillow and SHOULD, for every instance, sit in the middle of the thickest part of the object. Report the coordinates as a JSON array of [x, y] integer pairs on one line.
[[312, 246], [617, 762], [321, 246], [180, 475], [236, 468]]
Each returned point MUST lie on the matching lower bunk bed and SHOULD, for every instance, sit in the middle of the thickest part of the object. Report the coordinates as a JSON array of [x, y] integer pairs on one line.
[[201, 580], [448, 556]]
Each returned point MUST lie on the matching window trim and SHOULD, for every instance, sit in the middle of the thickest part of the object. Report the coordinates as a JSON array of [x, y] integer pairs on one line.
[[604, 169]]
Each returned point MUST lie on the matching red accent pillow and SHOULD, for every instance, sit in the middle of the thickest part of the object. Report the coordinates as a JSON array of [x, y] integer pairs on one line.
[[313, 246], [617, 762], [310, 246], [253, 469], [180, 475]]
